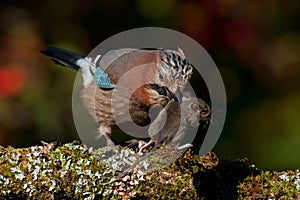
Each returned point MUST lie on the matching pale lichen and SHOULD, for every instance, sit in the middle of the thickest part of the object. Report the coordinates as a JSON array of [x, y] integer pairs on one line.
[[49, 172], [271, 185], [74, 171]]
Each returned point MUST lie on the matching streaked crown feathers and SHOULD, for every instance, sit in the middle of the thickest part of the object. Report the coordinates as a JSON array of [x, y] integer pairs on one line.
[[176, 63]]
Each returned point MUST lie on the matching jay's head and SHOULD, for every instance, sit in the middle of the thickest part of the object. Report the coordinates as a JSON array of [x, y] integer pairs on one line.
[[173, 73]]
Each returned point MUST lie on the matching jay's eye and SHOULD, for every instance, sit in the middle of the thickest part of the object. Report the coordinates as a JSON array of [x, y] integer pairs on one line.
[[160, 77]]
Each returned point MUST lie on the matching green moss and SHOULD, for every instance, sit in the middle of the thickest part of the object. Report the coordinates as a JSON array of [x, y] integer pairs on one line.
[[176, 180], [49, 172], [72, 171], [271, 185]]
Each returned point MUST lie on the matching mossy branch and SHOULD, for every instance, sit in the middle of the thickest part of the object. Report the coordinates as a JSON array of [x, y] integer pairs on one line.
[[73, 171]]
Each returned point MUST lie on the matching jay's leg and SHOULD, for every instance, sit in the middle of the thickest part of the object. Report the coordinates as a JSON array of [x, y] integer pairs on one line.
[[106, 131], [146, 146]]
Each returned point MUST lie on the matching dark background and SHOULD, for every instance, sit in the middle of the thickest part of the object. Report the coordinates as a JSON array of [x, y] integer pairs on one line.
[[255, 44]]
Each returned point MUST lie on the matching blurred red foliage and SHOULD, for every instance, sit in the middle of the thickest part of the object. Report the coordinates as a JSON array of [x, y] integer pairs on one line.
[[12, 81]]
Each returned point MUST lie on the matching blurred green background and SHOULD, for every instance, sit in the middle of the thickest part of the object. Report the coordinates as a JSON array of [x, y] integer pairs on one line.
[[255, 44]]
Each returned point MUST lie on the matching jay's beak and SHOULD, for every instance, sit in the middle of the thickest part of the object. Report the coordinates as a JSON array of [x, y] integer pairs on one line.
[[166, 92], [178, 96]]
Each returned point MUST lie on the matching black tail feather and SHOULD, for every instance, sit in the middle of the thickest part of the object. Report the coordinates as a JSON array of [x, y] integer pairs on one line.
[[63, 57]]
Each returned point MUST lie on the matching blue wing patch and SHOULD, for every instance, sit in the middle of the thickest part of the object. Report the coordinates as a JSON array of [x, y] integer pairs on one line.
[[102, 80]]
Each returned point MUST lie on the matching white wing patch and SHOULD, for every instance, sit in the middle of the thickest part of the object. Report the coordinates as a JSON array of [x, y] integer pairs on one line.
[[87, 68]]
